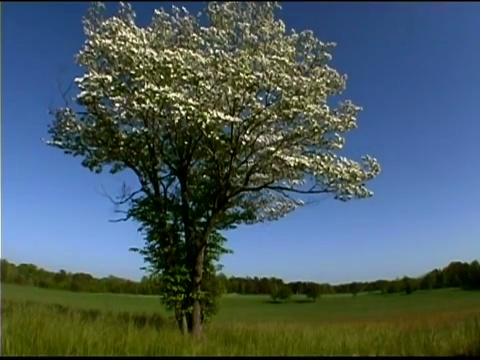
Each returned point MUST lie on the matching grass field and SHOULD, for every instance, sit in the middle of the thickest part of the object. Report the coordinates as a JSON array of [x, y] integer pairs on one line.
[[49, 322]]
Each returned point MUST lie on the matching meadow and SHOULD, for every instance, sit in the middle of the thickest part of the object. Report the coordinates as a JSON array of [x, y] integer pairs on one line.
[[48, 322]]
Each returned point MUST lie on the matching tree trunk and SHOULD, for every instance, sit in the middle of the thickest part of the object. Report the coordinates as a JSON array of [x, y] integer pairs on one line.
[[184, 325], [197, 281], [188, 323], [181, 321], [197, 321]]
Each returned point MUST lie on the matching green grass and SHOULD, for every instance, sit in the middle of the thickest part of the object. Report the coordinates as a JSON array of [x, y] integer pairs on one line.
[[441, 322]]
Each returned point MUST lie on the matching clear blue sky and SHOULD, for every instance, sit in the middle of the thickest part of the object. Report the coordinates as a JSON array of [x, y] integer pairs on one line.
[[413, 67]]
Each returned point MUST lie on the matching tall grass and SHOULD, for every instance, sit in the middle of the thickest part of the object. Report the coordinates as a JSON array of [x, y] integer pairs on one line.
[[40, 329]]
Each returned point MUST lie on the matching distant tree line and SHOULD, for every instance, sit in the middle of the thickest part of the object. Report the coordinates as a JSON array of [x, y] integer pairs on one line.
[[455, 275]]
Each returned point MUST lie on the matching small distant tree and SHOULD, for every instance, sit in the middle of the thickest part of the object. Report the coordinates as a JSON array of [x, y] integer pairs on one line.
[[408, 288], [284, 293], [281, 293], [408, 285], [313, 291], [355, 288], [393, 287]]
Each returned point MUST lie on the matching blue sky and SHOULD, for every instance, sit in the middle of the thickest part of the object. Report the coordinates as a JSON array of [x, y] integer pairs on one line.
[[414, 69]]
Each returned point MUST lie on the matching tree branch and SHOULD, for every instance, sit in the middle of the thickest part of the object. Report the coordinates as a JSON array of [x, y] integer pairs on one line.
[[310, 191], [124, 198], [123, 219]]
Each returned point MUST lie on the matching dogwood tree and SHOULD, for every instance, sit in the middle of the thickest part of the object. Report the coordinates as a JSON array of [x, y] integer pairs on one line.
[[224, 117]]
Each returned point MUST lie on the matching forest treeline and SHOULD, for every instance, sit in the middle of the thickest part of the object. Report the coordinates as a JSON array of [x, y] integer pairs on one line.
[[456, 274]]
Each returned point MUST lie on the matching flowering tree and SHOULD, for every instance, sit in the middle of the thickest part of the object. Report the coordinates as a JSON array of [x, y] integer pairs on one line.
[[224, 117]]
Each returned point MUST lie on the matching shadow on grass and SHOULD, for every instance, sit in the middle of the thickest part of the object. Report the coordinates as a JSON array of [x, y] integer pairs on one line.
[[296, 301], [122, 317], [274, 302]]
